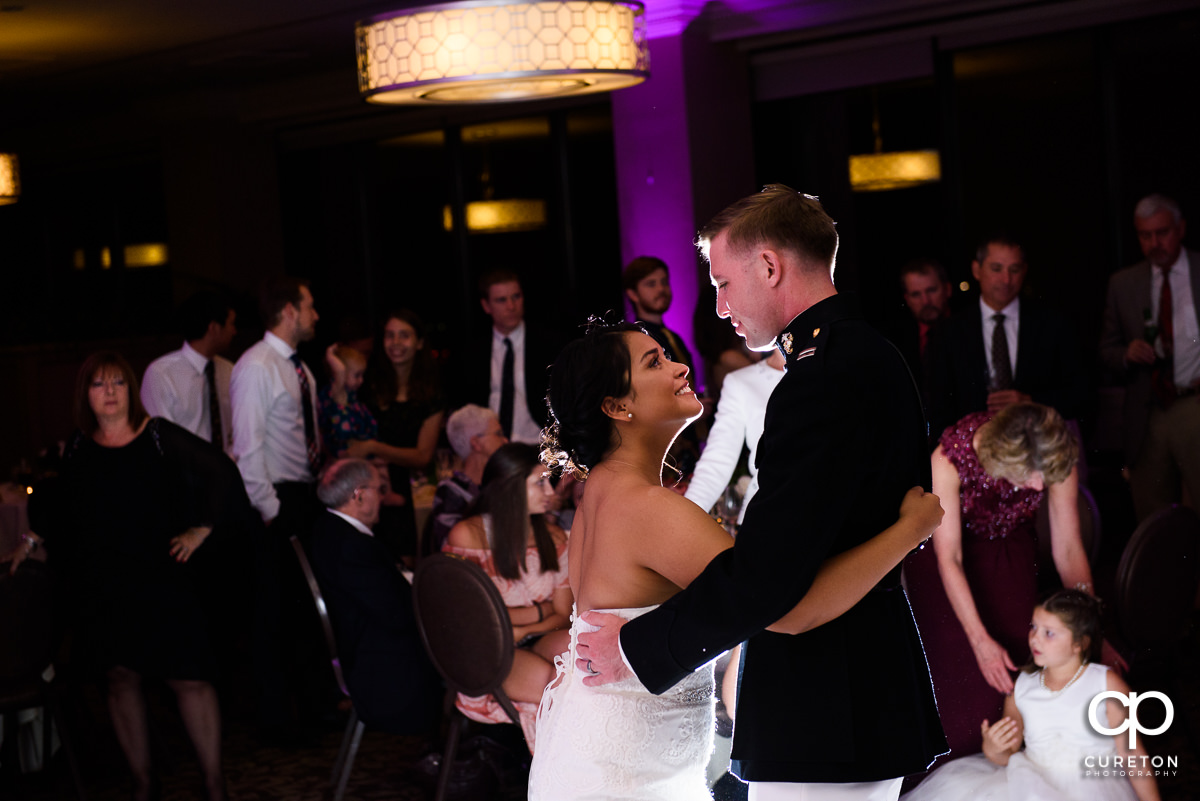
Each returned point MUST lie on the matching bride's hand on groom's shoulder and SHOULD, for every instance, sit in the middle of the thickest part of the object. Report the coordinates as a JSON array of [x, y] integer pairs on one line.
[[599, 652]]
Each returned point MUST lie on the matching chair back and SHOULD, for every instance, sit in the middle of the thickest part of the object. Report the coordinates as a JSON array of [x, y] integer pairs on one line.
[[1089, 530], [322, 613], [1157, 578], [26, 623], [465, 626]]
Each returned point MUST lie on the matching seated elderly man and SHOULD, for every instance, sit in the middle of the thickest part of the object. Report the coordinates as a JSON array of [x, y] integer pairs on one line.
[[392, 684], [475, 434]]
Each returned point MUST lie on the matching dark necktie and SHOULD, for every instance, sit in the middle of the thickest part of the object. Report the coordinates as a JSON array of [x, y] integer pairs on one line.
[[214, 406], [507, 390], [1163, 376], [311, 445], [1002, 375]]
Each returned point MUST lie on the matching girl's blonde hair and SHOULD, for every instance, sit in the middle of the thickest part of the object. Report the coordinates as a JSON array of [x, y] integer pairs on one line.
[[1024, 438], [348, 354]]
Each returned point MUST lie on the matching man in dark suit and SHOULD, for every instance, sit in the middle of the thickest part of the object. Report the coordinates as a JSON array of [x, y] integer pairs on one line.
[[509, 375], [926, 292], [1004, 349], [849, 702], [1157, 356], [392, 684]]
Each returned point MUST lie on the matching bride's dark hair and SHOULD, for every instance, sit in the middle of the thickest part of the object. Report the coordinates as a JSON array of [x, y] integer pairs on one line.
[[586, 372]]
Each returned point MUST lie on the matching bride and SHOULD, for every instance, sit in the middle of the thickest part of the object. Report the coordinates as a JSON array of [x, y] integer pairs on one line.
[[618, 403]]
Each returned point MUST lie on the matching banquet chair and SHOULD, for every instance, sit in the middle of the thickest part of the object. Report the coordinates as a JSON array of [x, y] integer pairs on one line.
[[26, 653], [468, 636], [1157, 579], [340, 775]]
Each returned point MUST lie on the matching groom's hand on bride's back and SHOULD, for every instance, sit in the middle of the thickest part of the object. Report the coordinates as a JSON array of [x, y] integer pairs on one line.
[[599, 652]]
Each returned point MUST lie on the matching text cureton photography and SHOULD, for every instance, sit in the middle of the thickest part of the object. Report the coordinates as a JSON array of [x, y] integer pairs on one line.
[[1131, 765]]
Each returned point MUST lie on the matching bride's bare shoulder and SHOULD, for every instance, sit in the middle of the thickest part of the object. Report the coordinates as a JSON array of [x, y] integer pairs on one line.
[[651, 504]]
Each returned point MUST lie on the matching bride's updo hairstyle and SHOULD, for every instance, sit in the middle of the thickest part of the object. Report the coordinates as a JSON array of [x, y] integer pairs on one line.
[[586, 372]]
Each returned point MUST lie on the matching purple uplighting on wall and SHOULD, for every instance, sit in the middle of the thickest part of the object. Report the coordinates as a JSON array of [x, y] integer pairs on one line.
[[654, 180]]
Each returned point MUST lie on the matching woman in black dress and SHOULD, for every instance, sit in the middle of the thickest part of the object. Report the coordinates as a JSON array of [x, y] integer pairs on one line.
[[137, 496], [405, 396]]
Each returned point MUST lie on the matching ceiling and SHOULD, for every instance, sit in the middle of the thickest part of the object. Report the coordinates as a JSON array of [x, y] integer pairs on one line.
[[64, 45], [61, 59], [72, 45]]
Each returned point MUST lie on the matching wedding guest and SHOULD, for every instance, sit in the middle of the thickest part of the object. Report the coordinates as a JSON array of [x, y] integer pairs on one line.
[[525, 553], [738, 425], [404, 394], [474, 434], [392, 683], [647, 283], [277, 446], [190, 386], [1004, 348], [135, 606], [1048, 713], [971, 593], [343, 416], [507, 372], [1151, 343]]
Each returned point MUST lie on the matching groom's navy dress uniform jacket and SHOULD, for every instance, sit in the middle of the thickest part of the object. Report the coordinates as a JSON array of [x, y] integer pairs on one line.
[[849, 701]]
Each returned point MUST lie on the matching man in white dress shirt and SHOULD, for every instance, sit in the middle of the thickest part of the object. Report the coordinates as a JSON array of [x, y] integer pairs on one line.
[[272, 434], [509, 375], [1004, 348], [1151, 341], [277, 448], [180, 386]]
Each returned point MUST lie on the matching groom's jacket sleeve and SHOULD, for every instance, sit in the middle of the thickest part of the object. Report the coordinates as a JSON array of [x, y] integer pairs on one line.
[[815, 464]]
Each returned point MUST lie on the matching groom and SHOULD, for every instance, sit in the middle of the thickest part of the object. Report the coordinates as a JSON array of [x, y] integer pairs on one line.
[[845, 710]]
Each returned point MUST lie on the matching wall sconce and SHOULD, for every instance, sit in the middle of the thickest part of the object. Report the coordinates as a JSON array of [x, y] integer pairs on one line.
[[494, 51], [10, 179]]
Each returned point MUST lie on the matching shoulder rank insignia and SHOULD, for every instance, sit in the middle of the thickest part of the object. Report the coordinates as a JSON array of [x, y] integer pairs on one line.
[[786, 341], [804, 354]]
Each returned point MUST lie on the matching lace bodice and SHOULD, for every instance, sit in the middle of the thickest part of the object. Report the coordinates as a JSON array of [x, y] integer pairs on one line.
[[991, 507]]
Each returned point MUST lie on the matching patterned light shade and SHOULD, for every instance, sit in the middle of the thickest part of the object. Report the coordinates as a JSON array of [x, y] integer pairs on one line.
[[10, 179], [875, 172], [500, 216], [489, 51]]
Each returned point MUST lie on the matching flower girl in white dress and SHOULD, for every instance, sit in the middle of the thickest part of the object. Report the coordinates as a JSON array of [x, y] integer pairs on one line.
[[1064, 758]]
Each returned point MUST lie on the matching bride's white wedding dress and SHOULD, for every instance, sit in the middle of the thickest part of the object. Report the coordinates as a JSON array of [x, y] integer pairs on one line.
[[618, 741]]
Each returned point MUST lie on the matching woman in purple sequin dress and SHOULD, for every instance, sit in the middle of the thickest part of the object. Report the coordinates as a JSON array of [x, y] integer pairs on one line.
[[972, 591]]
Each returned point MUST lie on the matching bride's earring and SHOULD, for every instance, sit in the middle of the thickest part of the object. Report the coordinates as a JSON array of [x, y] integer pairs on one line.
[[629, 415]]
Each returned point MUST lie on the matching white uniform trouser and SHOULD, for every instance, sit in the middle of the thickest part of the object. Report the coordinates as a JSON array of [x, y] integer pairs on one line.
[[887, 790]]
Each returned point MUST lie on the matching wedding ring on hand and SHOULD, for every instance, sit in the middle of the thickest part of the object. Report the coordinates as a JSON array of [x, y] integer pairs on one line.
[[591, 669]]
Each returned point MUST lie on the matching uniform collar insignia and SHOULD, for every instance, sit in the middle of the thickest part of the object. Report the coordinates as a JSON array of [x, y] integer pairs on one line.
[[785, 342]]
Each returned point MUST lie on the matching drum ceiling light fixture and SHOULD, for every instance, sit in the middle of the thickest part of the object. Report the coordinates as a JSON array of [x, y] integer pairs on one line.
[[880, 171], [876, 172], [492, 51], [10, 179]]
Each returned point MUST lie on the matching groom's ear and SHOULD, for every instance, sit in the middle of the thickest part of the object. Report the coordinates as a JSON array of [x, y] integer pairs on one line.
[[613, 408], [772, 266]]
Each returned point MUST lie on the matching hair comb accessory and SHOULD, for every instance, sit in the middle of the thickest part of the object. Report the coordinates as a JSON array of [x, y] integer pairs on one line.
[[553, 456]]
